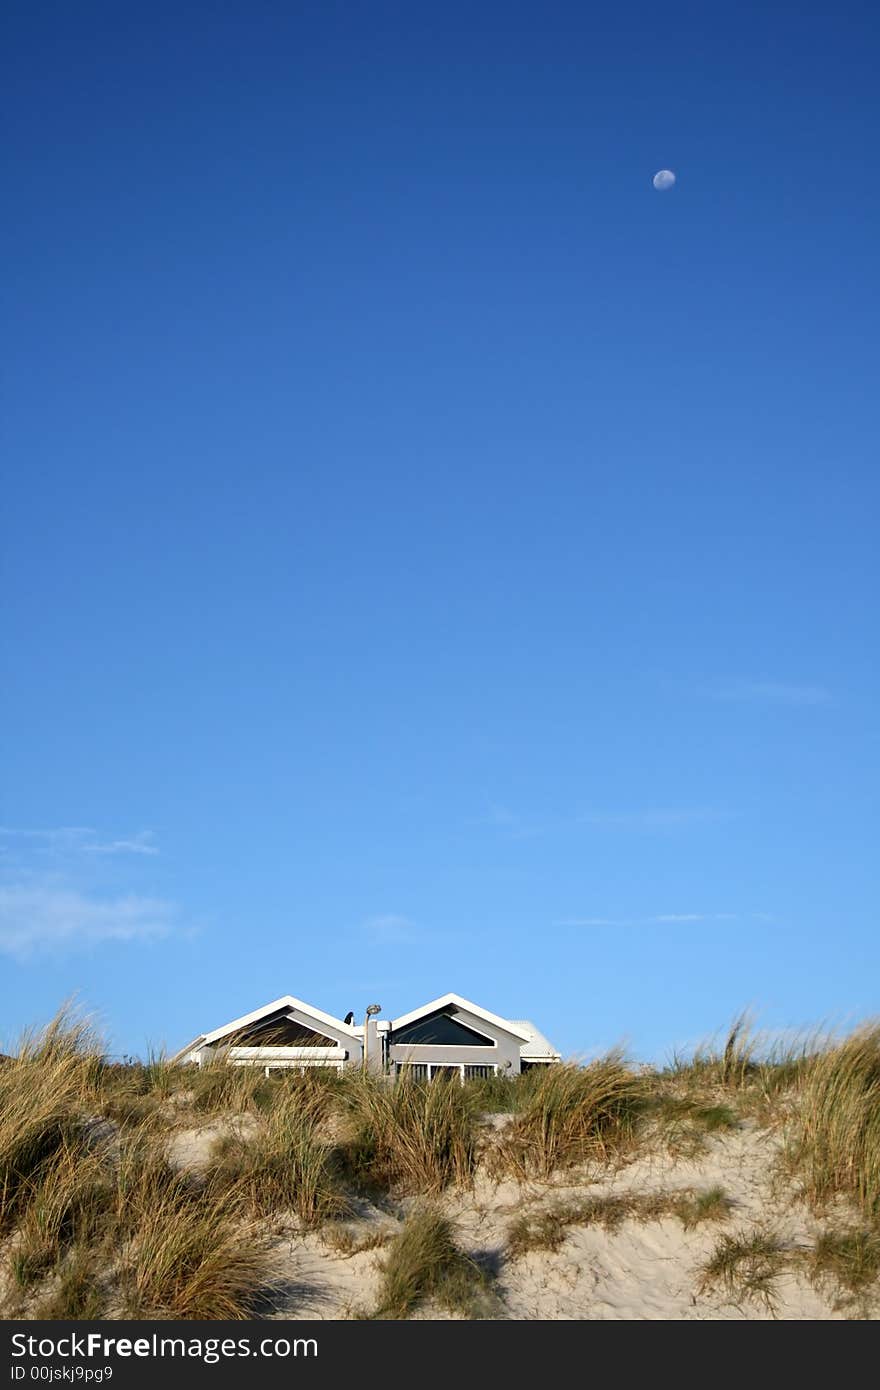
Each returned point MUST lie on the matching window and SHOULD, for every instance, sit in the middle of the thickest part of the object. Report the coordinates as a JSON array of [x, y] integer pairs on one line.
[[277, 1030], [446, 1071], [413, 1071], [277, 1068], [441, 1029]]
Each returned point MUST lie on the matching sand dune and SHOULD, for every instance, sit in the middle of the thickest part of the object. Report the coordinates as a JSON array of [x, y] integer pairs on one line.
[[734, 1186], [643, 1269]]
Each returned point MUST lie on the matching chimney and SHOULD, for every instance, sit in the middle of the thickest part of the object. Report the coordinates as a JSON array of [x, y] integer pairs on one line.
[[373, 1046]]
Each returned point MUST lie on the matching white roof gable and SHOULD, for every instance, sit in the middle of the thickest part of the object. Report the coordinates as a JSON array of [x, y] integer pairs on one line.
[[515, 1029], [286, 1001]]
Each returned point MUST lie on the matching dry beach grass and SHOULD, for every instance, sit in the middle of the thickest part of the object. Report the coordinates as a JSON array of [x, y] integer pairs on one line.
[[743, 1181]]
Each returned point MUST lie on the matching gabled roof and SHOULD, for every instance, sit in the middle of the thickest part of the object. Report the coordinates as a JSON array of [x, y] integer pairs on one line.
[[516, 1030], [190, 1047], [538, 1045], [287, 1001]]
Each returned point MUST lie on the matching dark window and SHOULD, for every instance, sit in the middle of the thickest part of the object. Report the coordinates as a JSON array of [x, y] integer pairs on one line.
[[472, 1072], [414, 1071], [442, 1029], [448, 1073], [277, 1030]]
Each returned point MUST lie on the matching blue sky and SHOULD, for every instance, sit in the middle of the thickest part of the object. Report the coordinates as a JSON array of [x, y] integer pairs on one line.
[[433, 559]]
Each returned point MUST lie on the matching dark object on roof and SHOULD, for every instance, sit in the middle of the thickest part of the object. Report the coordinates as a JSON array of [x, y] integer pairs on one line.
[[349, 1018]]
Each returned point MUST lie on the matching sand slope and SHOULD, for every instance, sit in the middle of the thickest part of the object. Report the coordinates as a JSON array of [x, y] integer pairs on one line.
[[642, 1269]]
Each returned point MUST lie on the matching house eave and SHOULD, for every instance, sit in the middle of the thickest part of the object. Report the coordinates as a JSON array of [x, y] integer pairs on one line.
[[287, 1001], [183, 1054], [469, 1007]]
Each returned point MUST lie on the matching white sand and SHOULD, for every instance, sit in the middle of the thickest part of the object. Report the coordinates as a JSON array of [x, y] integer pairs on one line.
[[194, 1148], [641, 1270]]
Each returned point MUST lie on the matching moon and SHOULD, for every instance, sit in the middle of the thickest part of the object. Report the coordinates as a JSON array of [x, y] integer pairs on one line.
[[663, 179]]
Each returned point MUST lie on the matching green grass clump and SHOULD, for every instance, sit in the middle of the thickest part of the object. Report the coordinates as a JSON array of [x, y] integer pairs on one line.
[[727, 1067], [849, 1261], [187, 1252], [218, 1088], [547, 1228], [543, 1230], [712, 1204], [498, 1094], [747, 1070], [835, 1143], [46, 1091], [65, 1207], [425, 1262], [569, 1115], [283, 1166], [124, 1219], [417, 1136], [89, 1207], [746, 1265], [80, 1291], [345, 1241], [134, 1092], [682, 1122]]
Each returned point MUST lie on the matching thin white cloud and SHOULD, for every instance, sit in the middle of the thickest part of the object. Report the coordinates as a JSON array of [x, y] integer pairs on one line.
[[595, 922], [652, 820], [58, 839], [36, 920], [663, 919], [76, 839], [389, 928], [659, 818], [501, 815], [143, 843], [770, 692], [514, 825], [696, 917]]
